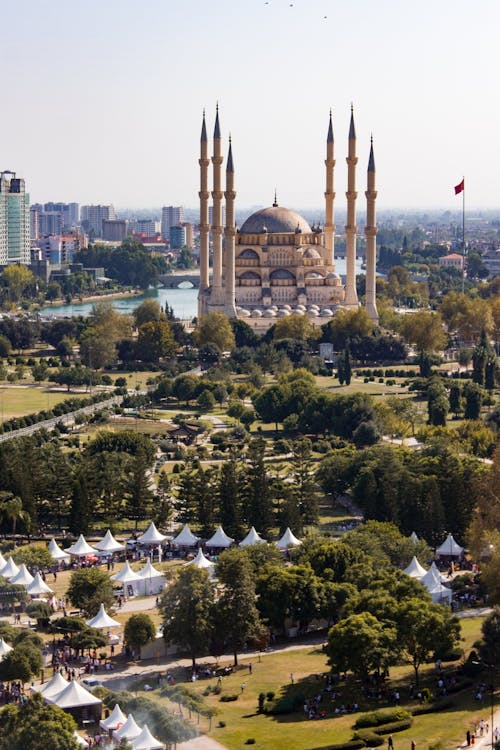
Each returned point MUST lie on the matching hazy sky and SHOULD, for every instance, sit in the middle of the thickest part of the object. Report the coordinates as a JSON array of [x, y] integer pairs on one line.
[[102, 99]]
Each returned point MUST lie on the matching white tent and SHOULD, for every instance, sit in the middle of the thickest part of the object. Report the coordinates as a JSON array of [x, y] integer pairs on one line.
[[200, 561], [288, 540], [130, 580], [74, 695], [414, 537], [56, 552], [102, 620], [251, 538], [4, 648], [128, 731], [440, 593], [220, 539], [185, 538], [414, 569], [81, 548], [115, 720], [80, 740], [146, 741], [151, 536], [23, 578], [152, 580], [38, 586], [450, 548], [9, 570], [3, 561], [109, 544], [54, 686]]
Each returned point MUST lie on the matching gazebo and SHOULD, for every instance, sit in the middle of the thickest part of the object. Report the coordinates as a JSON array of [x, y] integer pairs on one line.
[[108, 544], [57, 553], [9, 570], [146, 741], [151, 536], [450, 548], [219, 540], [23, 577], [200, 561], [81, 548], [38, 586], [185, 538], [288, 540], [128, 731], [152, 580], [102, 621], [414, 569], [252, 538], [79, 702], [115, 720], [4, 648], [130, 580]]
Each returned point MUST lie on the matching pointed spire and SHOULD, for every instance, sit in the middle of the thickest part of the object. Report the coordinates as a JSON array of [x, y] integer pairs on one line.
[[330, 130], [275, 204], [352, 130], [371, 160], [204, 128], [217, 126], [230, 167]]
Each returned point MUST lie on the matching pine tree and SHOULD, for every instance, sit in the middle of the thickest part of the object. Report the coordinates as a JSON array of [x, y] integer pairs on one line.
[[257, 496], [229, 497]]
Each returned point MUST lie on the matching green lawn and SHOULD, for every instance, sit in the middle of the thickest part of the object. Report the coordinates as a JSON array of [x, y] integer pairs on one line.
[[17, 401]]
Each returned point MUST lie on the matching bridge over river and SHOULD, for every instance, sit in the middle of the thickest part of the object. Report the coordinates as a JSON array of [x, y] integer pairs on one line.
[[181, 279]]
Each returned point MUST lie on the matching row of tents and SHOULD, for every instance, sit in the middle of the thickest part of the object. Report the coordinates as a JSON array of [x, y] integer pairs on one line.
[[432, 580], [20, 576]]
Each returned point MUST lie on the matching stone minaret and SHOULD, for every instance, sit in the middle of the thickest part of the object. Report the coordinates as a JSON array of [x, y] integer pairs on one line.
[[229, 238], [217, 159], [204, 163], [351, 296], [371, 239], [329, 228]]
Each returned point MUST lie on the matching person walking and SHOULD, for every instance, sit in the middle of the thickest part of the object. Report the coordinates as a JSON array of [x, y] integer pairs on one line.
[[467, 737], [390, 743]]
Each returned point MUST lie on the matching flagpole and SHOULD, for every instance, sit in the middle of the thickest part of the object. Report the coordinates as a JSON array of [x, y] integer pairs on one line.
[[463, 235]]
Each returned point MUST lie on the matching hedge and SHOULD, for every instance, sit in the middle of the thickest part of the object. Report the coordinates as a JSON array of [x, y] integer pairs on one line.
[[395, 726], [430, 708], [369, 737], [350, 745], [377, 718]]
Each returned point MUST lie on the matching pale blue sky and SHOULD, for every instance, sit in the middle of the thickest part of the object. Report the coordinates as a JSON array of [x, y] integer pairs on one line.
[[102, 101]]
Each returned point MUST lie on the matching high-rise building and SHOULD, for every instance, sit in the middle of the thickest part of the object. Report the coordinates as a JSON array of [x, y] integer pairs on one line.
[[69, 211], [171, 216], [92, 217], [177, 237], [189, 236], [14, 220], [114, 230]]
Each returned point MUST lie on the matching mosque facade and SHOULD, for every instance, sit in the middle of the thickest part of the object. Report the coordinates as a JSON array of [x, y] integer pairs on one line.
[[276, 264]]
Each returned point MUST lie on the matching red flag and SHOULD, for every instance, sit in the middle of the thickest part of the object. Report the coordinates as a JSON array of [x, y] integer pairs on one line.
[[460, 187]]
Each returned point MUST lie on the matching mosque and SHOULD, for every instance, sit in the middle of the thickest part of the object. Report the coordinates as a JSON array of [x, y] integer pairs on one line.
[[275, 264]]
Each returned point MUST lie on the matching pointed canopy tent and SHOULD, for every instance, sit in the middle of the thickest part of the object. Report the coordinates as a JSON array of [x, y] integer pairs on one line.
[[126, 575], [102, 620], [54, 686], [252, 538], [440, 593], [414, 537], [220, 539], [4, 648], [23, 578], [56, 552], [450, 548], [38, 586], [151, 536], [3, 561], [115, 720], [185, 538], [146, 741], [432, 578], [128, 731], [414, 569], [152, 580], [74, 695], [288, 540], [200, 561], [9, 570], [109, 544], [81, 548], [80, 740]]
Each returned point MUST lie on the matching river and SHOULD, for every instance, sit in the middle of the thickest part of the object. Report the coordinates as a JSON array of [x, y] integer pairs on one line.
[[184, 302]]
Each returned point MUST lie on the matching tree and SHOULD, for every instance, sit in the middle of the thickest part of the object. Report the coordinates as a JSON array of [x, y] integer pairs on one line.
[[256, 494], [139, 494], [106, 326], [424, 629], [12, 508], [37, 726], [206, 400], [362, 644], [89, 588], [288, 593], [139, 630], [214, 328], [15, 666], [297, 327], [148, 311], [186, 608], [155, 340], [347, 325], [490, 647], [5, 347], [238, 614], [17, 279], [425, 330], [482, 356], [473, 395]]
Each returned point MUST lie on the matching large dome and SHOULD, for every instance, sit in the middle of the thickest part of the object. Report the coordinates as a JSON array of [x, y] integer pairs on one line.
[[274, 219]]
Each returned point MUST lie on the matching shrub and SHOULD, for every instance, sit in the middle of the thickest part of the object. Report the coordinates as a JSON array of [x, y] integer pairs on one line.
[[369, 737], [431, 708], [228, 698], [349, 745], [378, 718], [270, 695], [250, 741], [221, 724], [395, 726]]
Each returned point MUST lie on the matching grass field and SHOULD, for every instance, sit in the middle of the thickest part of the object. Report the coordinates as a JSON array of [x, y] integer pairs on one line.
[[17, 401]]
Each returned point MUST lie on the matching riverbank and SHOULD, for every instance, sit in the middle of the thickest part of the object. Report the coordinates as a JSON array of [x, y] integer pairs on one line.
[[95, 298]]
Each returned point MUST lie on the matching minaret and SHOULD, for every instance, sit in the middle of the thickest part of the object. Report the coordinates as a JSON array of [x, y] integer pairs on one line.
[[217, 195], [329, 228], [229, 238], [351, 296], [371, 239], [204, 163]]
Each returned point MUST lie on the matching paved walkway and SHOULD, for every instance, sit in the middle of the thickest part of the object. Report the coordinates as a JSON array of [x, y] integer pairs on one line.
[[484, 742], [201, 743]]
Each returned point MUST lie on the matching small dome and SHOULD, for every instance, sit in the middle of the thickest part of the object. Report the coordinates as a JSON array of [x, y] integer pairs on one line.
[[274, 220], [286, 307], [256, 314], [299, 311], [283, 313], [314, 275], [311, 252], [300, 307], [268, 314], [313, 307], [313, 313], [332, 275], [243, 313], [326, 312]]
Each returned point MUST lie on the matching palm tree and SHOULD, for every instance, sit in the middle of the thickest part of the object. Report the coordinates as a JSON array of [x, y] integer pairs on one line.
[[12, 508]]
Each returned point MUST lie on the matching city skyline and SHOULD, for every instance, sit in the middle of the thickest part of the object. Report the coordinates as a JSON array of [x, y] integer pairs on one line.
[[125, 126]]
